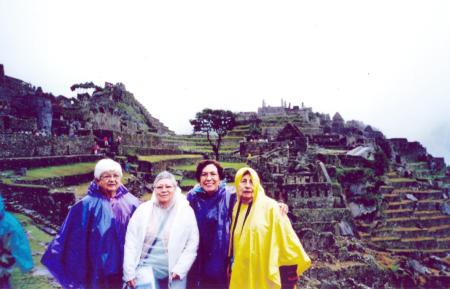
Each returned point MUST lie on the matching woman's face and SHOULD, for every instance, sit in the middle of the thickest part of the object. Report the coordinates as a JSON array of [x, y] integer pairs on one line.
[[165, 191], [209, 179], [245, 189], [109, 182]]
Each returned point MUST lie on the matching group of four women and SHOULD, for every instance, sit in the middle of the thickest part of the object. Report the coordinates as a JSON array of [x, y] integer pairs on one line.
[[219, 238]]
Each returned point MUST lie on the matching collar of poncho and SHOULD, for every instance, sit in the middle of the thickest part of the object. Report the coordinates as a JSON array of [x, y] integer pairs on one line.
[[198, 190]]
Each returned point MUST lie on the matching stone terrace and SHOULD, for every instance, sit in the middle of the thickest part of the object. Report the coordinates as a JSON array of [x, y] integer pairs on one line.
[[411, 220]]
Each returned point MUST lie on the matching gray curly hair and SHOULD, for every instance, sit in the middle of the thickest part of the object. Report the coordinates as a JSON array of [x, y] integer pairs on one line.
[[163, 176]]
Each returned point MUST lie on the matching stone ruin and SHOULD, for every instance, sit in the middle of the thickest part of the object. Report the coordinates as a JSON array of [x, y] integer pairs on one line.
[[363, 225], [378, 221], [38, 129], [34, 123]]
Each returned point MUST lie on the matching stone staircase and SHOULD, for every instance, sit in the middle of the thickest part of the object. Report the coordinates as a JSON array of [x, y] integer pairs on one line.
[[411, 221]]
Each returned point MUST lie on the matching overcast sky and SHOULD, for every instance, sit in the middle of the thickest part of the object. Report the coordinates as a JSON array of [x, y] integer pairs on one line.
[[386, 63]]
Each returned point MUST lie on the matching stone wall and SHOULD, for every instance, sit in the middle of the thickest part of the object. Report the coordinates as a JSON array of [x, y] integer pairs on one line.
[[256, 147], [147, 151], [62, 181], [355, 161], [407, 151], [25, 145], [36, 201], [329, 140], [12, 124]]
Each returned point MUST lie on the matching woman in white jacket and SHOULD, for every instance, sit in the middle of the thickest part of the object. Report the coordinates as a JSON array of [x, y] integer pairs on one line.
[[162, 239]]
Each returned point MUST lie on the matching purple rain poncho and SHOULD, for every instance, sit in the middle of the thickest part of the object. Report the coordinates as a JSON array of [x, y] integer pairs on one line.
[[14, 246], [88, 251], [213, 214]]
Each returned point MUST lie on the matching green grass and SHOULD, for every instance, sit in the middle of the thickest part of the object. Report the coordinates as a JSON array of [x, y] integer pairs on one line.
[[158, 158], [80, 190], [206, 149], [235, 166], [58, 171], [401, 180], [330, 151], [10, 182], [188, 182], [38, 240]]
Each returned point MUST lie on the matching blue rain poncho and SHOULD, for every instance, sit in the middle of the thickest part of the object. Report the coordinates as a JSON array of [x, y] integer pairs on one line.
[[14, 246], [88, 251], [213, 214]]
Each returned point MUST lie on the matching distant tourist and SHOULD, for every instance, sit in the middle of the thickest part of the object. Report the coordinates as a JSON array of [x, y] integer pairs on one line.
[[212, 201], [14, 247], [162, 239], [95, 149], [88, 250], [264, 251]]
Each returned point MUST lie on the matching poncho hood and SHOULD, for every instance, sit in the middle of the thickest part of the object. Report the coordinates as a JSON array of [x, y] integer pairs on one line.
[[258, 191], [266, 242]]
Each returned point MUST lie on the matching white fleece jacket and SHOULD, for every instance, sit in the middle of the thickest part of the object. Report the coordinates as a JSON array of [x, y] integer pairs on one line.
[[182, 246]]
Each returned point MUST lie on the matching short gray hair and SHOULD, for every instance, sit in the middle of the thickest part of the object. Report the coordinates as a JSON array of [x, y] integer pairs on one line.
[[106, 165], [163, 176]]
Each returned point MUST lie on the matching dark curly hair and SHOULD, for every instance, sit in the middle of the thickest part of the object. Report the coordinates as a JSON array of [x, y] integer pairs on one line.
[[202, 164]]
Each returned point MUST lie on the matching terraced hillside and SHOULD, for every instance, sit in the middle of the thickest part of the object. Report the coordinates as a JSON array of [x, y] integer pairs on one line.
[[199, 144], [412, 219]]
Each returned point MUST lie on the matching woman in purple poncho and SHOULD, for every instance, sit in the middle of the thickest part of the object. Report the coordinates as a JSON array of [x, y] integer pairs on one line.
[[88, 251]]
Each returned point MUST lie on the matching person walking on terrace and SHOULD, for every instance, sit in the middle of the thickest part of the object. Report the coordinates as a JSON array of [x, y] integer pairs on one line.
[[14, 247], [264, 250], [161, 240], [88, 250]]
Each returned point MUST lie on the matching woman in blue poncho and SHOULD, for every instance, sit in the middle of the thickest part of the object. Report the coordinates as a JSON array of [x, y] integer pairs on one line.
[[14, 247], [88, 251], [212, 201]]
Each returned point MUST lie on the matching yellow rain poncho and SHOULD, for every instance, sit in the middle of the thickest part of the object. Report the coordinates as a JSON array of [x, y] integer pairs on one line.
[[266, 242]]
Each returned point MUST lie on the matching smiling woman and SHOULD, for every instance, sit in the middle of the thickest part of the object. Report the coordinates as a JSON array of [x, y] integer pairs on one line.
[[162, 239], [88, 251]]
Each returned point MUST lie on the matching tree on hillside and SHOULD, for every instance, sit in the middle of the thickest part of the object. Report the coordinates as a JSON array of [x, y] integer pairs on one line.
[[254, 129], [215, 124]]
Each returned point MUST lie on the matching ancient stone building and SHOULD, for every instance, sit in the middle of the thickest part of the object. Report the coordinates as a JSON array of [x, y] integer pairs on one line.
[[27, 112]]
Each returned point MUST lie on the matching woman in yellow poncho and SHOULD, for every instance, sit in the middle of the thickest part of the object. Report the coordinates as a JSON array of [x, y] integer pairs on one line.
[[262, 240]]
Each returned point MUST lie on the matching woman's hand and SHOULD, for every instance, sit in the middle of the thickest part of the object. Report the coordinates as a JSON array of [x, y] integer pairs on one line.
[[175, 276], [131, 283], [284, 209]]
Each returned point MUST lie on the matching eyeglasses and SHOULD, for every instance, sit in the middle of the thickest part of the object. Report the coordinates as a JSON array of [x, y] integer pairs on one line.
[[109, 177], [167, 187]]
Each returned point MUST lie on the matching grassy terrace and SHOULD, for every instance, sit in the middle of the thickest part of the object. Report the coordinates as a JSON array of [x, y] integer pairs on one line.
[[39, 278], [331, 151], [80, 190], [159, 158], [197, 138], [401, 180], [188, 182], [206, 150], [58, 171]]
